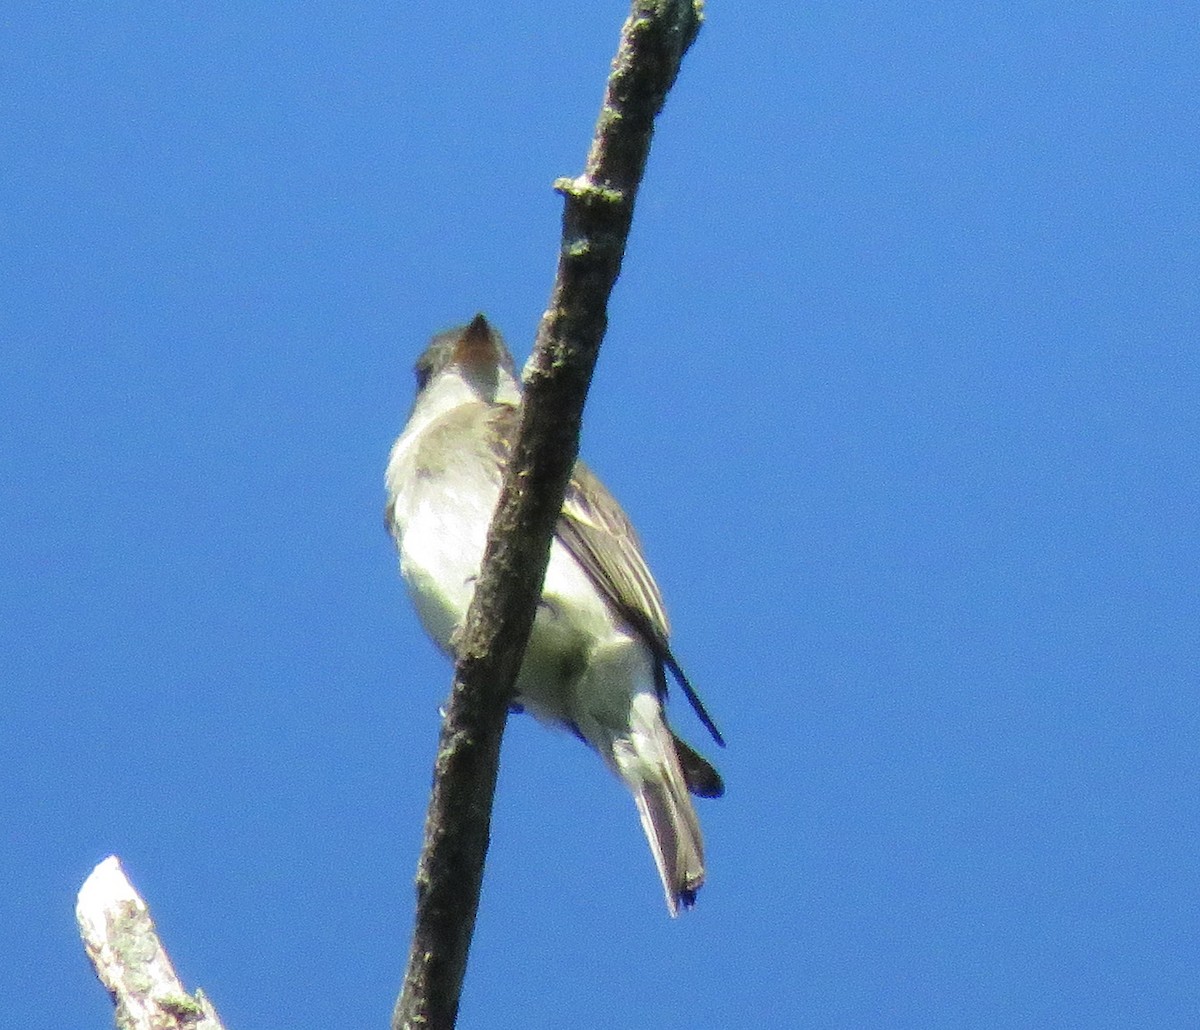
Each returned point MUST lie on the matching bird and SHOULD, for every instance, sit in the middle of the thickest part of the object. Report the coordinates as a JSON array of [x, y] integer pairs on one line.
[[598, 655]]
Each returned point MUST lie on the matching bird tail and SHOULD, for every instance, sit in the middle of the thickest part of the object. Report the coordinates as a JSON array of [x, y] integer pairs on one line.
[[647, 760]]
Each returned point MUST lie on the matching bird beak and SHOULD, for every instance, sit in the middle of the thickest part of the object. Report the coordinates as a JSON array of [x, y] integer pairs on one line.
[[477, 346]]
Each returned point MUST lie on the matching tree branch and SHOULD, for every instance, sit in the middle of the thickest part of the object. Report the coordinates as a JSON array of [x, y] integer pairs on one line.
[[596, 219], [129, 959]]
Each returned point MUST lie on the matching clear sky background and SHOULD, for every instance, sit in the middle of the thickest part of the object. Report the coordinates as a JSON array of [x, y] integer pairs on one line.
[[901, 388]]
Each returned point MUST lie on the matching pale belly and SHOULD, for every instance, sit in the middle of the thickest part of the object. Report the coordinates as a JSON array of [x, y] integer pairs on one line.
[[581, 667]]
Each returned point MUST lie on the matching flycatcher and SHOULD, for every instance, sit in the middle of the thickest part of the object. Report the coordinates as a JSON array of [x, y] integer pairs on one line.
[[598, 655]]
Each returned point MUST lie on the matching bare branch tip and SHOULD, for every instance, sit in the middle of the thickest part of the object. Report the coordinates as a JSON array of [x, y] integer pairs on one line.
[[105, 886]]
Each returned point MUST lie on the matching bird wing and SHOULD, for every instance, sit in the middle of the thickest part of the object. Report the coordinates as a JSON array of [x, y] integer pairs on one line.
[[598, 534]]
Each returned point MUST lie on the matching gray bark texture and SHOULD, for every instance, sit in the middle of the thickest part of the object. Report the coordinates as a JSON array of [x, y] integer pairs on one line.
[[119, 938]]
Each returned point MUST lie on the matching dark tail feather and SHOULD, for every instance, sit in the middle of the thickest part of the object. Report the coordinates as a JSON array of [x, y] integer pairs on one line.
[[698, 773]]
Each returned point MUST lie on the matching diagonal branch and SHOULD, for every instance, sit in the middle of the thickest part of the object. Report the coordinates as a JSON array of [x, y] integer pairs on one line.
[[596, 219], [129, 959]]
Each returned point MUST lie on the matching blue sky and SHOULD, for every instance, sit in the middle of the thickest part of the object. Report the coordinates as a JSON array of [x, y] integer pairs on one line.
[[901, 388]]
